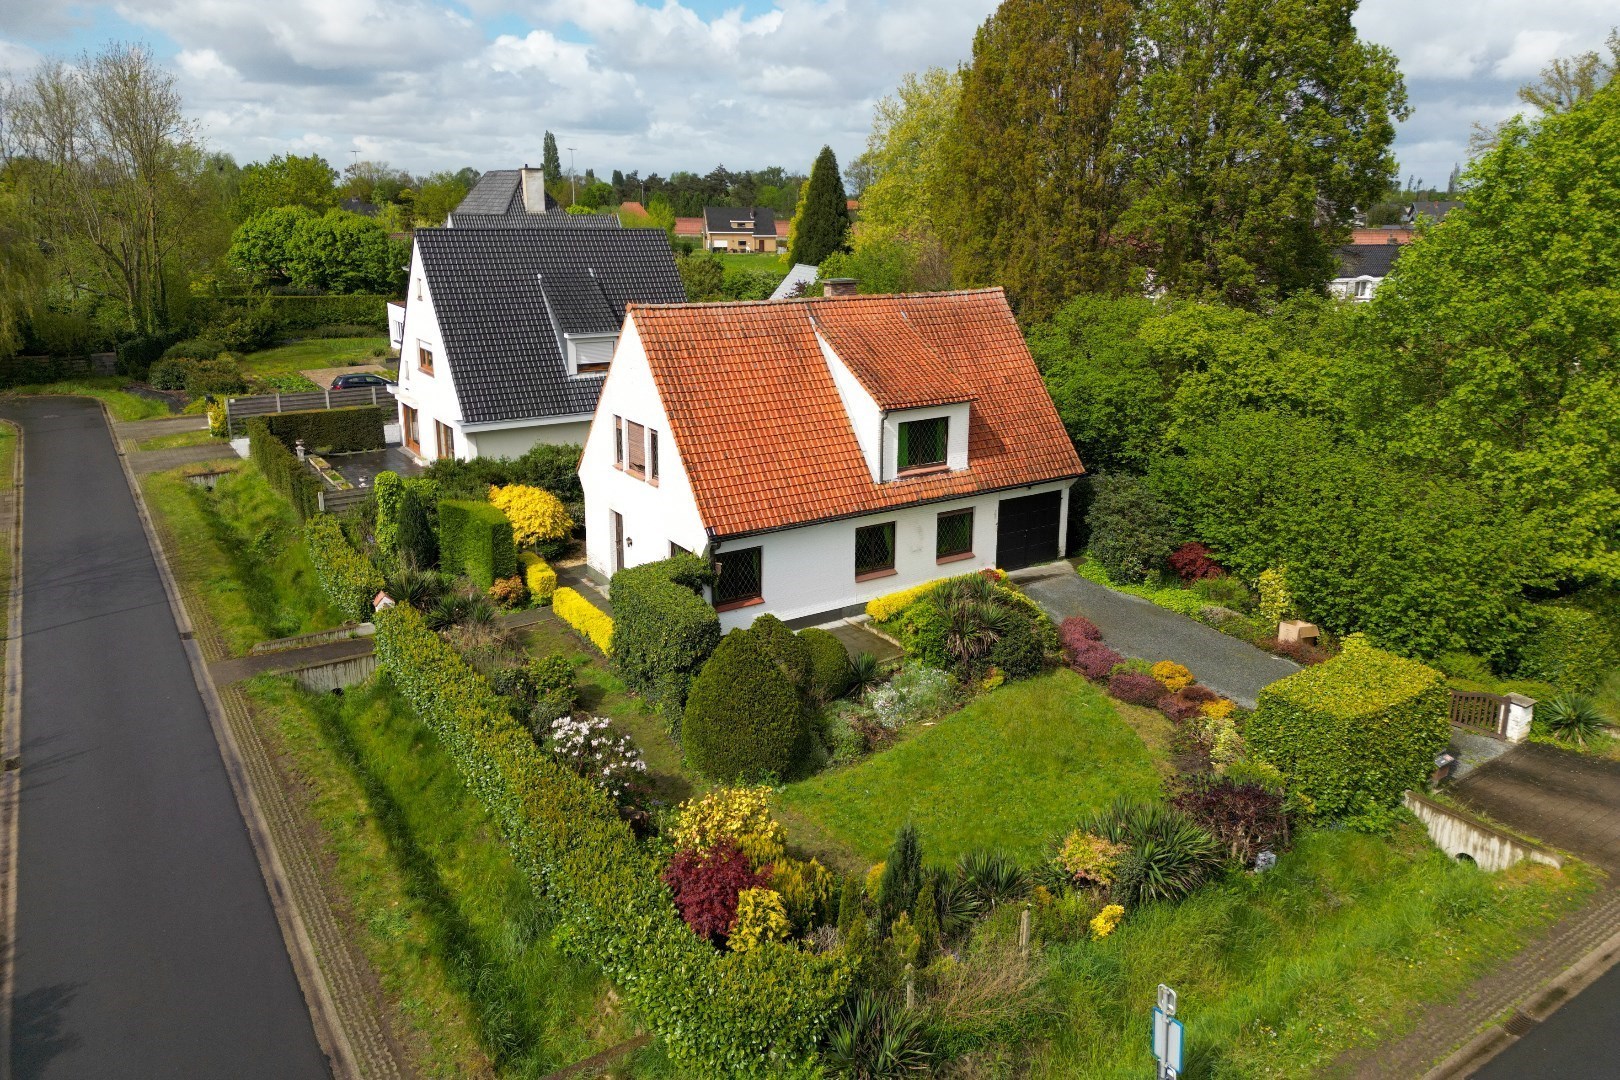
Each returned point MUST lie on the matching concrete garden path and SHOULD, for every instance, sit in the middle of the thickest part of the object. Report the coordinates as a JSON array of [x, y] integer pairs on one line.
[[1136, 628]]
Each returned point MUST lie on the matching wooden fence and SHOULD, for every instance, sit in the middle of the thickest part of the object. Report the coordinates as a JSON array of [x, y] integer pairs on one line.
[[239, 409], [337, 502], [1479, 711]]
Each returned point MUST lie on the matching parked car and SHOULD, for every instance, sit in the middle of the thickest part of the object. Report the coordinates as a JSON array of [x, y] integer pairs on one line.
[[359, 381]]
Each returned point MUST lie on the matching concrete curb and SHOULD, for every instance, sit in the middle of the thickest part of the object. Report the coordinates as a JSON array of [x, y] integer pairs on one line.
[[323, 1011], [11, 778]]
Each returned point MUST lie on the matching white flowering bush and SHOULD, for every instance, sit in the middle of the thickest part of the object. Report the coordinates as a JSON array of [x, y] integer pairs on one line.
[[589, 746], [917, 692]]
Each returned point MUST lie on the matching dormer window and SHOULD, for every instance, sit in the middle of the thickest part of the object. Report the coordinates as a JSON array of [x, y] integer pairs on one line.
[[922, 444], [589, 354]]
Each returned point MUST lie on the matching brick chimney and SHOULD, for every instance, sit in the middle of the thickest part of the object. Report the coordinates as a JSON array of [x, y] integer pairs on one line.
[[838, 286], [534, 189]]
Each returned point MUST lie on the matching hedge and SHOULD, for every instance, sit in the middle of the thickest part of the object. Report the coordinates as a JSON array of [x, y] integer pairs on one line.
[[538, 576], [334, 431], [721, 1014], [744, 719], [591, 622], [1353, 733], [404, 526], [476, 539], [282, 469], [299, 312], [831, 674], [663, 629], [1565, 645], [886, 607], [348, 577]]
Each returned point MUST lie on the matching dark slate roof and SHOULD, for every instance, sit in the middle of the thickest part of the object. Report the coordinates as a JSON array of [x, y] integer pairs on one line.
[[520, 220], [499, 191], [359, 206], [1370, 260], [719, 218], [1437, 210], [503, 349]]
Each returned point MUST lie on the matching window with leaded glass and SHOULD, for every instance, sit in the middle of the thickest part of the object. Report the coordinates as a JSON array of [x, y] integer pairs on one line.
[[874, 550], [738, 580], [922, 443], [954, 535]]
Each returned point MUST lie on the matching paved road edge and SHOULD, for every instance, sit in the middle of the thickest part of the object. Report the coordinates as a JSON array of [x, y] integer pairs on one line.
[[10, 749], [323, 1011]]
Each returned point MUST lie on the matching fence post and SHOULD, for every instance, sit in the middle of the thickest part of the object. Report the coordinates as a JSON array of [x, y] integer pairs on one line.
[[1023, 931], [230, 428], [1518, 712], [320, 501], [374, 396], [328, 397], [278, 401]]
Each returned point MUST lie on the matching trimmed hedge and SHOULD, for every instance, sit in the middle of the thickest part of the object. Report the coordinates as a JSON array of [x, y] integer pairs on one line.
[[1350, 735], [886, 607], [830, 672], [347, 576], [721, 1014], [476, 539], [538, 576], [298, 312], [1567, 646], [590, 621], [405, 519], [663, 629], [331, 431], [743, 720], [282, 469]]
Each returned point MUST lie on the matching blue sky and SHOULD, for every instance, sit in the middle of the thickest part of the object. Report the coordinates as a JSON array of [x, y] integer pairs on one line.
[[430, 84]]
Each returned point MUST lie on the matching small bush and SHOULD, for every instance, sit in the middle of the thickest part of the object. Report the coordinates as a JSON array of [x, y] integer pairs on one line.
[[590, 748], [783, 648], [922, 631], [706, 885], [830, 673], [585, 617], [404, 527], [743, 719], [1299, 652], [664, 629], [475, 539], [189, 349], [1095, 661], [761, 916], [1194, 562], [540, 578], [1131, 531], [509, 592], [1169, 857], [195, 376], [737, 816], [536, 515], [1574, 718], [1088, 860], [1171, 675], [1187, 702], [551, 683], [1018, 653], [807, 890], [1224, 590], [1135, 689], [1078, 632], [1245, 818], [1276, 598], [886, 607]]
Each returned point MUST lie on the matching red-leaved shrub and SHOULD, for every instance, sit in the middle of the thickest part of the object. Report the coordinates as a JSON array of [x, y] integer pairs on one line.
[[1192, 562], [1135, 689], [1077, 632], [1178, 706], [1245, 818], [1094, 660], [1297, 651], [706, 884]]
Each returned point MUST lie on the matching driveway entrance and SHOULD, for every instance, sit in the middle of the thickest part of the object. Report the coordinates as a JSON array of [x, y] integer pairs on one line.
[[1569, 800]]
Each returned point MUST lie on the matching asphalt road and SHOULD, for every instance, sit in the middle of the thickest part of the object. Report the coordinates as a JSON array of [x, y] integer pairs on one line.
[[1575, 1043], [146, 942]]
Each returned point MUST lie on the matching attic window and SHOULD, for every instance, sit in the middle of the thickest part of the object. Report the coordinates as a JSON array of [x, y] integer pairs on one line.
[[922, 444], [590, 354]]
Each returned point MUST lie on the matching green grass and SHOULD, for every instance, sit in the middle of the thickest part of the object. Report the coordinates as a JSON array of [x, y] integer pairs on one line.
[[1009, 771], [448, 921], [316, 353], [107, 388], [181, 438], [1278, 974], [240, 551], [756, 260], [8, 459]]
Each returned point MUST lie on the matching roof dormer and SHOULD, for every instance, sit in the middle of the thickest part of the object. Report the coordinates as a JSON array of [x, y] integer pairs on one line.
[[585, 323]]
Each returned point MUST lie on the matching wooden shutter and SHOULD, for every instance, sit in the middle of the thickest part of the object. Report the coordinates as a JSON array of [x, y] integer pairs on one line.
[[636, 436]]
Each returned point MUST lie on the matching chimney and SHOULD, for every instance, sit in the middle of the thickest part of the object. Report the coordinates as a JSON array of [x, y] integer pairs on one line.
[[534, 190], [838, 286]]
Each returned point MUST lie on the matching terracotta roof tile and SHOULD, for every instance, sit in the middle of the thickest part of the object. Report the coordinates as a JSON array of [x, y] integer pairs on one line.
[[762, 431]]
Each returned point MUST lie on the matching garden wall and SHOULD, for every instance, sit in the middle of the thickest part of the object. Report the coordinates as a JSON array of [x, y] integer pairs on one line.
[[1458, 834]]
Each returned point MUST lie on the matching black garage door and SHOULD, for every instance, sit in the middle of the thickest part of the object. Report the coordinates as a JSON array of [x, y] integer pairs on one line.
[[1027, 530]]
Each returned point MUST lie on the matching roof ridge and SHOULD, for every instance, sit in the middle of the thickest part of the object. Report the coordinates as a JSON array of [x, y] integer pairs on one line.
[[715, 305]]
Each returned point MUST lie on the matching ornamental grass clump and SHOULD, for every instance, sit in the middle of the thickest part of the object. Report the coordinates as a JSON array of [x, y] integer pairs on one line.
[[1169, 854], [1573, 718]]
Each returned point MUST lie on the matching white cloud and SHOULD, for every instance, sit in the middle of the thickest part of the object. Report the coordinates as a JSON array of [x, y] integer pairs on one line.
[[1532, 50]]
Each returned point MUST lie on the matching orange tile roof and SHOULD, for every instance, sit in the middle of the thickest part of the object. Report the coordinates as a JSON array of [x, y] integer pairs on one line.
[[893, 361], [1400, 235], [688, 226], [761, 428]]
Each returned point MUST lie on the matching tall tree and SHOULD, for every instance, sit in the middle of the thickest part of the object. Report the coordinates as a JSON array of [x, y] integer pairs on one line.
[[1034, 152], [821, 225], [551, 166], [289, 180]]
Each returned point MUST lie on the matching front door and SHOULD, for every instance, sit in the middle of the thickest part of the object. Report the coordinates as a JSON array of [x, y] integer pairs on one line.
[[1027, 530], [412, 434], [618, 541]]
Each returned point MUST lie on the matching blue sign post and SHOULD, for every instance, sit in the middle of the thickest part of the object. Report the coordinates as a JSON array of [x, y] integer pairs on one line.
[[1168, 1036]]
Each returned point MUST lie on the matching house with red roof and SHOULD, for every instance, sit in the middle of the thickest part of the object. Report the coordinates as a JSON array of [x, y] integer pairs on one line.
[[825, 451]]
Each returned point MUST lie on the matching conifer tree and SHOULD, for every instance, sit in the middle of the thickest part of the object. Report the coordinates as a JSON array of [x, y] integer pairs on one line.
[[551, 167], [822, 224]]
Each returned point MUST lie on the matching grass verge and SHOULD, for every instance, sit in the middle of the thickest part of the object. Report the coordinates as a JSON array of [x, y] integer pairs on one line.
[[1007, 772], [316, 353], [1339, 947], [451, 925], [181, 438], [8, 460], [107, 388], [240, 550]]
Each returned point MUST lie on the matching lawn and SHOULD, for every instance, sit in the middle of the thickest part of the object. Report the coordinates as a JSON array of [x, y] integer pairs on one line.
[[755, 260], [1007, 772], [181, 438], [107, 388], [317, 353], [239, 551], [1278, 974], [451, 925]]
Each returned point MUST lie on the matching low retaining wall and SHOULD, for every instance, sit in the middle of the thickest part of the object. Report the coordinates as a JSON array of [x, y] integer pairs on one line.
[[1457, 834], [324, 678], [319, 637]]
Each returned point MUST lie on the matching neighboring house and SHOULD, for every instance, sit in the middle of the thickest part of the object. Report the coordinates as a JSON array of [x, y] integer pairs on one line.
[[739, 228], [359, 206], [1362, 267], [506, 332], [689, 227], [1434, 210], [1386, 234], [824, 452], [802, 276], [504, 198]]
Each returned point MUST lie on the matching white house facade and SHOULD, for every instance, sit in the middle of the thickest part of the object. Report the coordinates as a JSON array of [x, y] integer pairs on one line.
[[1362, 268], [770, 437]]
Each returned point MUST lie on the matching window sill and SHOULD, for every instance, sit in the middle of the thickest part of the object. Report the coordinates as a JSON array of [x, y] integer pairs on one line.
[[925, 470], [733, 605], [875, 574], [943, 559]]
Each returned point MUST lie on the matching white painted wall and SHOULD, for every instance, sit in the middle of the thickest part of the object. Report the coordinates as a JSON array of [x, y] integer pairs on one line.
[[1360, 289], [433, 396], [956, 436], [517, 441], [863, 412], [654, 516]]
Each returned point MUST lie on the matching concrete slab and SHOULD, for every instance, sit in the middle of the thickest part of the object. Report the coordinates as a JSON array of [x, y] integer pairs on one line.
[[1472, 750], [1569, 800], [858, 639]]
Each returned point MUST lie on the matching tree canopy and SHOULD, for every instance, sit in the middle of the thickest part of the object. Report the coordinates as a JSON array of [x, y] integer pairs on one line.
[[821, 224], [289, 180]]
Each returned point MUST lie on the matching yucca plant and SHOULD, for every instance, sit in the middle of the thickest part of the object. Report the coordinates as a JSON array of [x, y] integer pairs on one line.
[[992, 877], [865, 672], [956, 903], [1574, 718], [972, 629], [875, 1037], [447, 611], [1170, 854], [420, 589]]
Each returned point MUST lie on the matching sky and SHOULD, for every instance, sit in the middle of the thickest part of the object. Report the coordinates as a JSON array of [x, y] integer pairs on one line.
[[657, 87]]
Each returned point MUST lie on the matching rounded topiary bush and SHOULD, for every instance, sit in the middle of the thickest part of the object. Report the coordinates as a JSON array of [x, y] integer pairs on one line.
[[743, 718], [784, 648], [830, 673], [1018, 653]]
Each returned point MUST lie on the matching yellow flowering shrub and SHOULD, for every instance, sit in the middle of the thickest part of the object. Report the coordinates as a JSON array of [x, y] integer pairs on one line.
[[1104, 922], [806, 889], [591, 621], [538, 576], [887, 606], [760, 917], [1171, 675], [741, 815], [535, 513]]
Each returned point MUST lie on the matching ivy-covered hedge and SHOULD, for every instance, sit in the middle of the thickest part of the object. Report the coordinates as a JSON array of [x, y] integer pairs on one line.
[[663, 629], [538, 575], [282, 469], [592, 622], [334, 431], [476, 539], [1350, 735], [752, 1013], [348, 577]]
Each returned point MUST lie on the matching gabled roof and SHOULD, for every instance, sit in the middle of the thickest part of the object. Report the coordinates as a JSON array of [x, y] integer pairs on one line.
[[761, 428], [499, 191], [1367, 260], [896, 363], [490, 288], [718, 219], [521, 220], [688, 226], [806, 274]]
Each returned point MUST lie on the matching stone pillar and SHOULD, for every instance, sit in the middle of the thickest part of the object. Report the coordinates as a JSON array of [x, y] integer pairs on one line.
[[1520, 710]]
